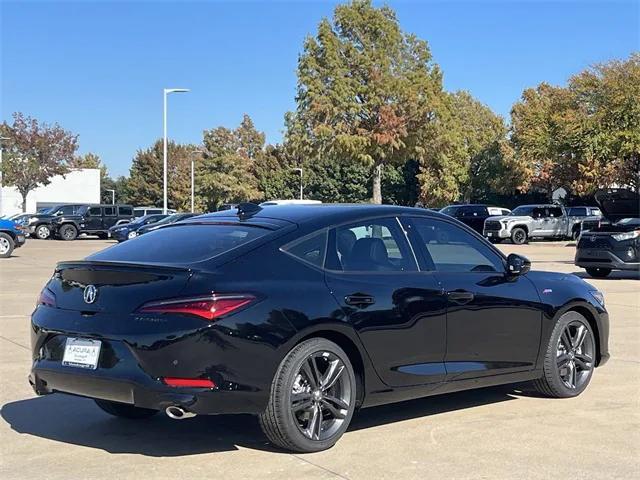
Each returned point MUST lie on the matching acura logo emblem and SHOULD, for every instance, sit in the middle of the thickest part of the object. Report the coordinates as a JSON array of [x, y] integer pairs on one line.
[[90, 293], [593, 238]]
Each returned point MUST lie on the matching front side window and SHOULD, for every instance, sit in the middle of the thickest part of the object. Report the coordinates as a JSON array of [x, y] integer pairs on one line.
[[525, 211], [539, 213], [94, 212], [448, 248], [451, 211], [555, 212], [309, 249], [370, 246]]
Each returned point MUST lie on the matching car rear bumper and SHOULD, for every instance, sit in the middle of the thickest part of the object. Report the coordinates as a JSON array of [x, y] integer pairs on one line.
[[601, 258], [146, 393], [137, 353]]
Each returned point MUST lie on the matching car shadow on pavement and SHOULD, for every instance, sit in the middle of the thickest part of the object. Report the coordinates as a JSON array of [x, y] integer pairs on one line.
[[78, 421], [615, 275]]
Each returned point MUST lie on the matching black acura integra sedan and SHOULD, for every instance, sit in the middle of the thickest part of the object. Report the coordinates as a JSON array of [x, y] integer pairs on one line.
[[303, 314]]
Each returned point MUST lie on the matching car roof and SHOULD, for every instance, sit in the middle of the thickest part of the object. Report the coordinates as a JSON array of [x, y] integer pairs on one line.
[[319, 214]]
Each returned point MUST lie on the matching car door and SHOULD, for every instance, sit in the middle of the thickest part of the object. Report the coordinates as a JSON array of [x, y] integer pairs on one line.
[[110, 217], [93, 219], [557, 221], [493, 321], [397, 311], [539, 225]]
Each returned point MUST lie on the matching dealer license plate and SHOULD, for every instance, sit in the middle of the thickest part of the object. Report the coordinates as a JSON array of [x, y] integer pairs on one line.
[[82, 353]]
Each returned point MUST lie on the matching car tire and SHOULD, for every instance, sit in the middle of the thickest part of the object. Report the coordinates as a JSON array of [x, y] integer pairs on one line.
[[68, 232], [598, 272], [575, 234], [43, 232], [298, 425], [6, 245], [124, 410], [519, 236], [569, 358]]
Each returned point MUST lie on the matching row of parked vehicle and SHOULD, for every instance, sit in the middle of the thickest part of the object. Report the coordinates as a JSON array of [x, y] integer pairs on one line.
[[612, 243]]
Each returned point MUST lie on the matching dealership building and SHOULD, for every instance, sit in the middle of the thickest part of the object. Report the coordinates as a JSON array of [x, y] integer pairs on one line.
[[80, 185]]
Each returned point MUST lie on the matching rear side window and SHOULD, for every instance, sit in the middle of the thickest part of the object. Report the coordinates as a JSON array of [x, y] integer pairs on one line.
[[95, 212], [182, 244], [110, 211], [125, 211], [577, 212], [310, 249]]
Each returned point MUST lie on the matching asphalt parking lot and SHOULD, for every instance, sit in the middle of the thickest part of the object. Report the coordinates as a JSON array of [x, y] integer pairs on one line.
[[490, 433]]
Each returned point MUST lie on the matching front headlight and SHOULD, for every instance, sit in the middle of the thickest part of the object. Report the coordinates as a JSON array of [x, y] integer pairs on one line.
[[599, 296], [626, 236]]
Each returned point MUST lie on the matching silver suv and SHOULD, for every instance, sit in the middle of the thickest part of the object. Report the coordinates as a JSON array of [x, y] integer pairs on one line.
[[530, 221]]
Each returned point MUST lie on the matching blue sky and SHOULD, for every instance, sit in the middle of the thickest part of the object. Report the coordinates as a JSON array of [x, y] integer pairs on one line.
[[98, 68]]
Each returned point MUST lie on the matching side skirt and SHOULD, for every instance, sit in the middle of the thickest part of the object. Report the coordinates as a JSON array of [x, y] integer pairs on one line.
[[382, 397]]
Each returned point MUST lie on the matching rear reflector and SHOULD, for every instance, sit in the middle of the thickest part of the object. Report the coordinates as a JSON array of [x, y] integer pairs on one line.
[[189, 382], [209, 308]]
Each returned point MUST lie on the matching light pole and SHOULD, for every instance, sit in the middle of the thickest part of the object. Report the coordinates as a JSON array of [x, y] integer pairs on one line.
[[2, 139], [299, 170], [166, 92], [193, 182], [113, 195]]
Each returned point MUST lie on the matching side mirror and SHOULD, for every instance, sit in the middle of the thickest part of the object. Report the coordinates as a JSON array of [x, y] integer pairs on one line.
[[517, 264]]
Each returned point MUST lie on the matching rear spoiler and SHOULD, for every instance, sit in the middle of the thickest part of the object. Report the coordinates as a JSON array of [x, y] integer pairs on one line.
[[106, 264]]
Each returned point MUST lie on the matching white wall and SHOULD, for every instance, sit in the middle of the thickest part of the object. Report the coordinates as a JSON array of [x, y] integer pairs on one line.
[[78, 186]]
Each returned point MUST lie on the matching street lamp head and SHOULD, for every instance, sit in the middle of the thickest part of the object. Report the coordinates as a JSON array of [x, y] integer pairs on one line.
[[297, 169], [176, 90]]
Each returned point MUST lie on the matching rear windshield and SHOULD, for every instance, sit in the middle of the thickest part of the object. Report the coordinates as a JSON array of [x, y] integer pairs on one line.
[[181, 244]]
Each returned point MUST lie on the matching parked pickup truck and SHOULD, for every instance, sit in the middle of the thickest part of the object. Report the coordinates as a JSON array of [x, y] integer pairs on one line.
[[537, 221]]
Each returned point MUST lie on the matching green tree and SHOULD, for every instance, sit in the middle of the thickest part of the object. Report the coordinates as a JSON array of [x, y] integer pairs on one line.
[[487, 157], [607, 98], [365, 91], [34, 152], [145, 183], [226, 171]]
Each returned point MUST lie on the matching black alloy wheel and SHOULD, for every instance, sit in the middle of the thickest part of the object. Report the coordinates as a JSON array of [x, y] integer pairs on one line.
[[313, 398], [68, 232], [519, 236], [570, 358]]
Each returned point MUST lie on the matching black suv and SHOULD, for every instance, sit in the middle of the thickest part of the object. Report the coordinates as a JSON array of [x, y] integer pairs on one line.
[[92, 220], [473, 215], [39, 224], [615, 243]]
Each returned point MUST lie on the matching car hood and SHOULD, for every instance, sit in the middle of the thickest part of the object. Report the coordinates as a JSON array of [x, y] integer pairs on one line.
[[7, 225], [618, 203], [511, 218]]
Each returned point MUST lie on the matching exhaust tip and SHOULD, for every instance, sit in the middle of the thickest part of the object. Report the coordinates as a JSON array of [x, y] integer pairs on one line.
[[176, 412]]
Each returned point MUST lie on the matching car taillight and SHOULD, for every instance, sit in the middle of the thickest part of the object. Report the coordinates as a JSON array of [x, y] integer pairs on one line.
[[47, 297], [189, 382], [209, 308]]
